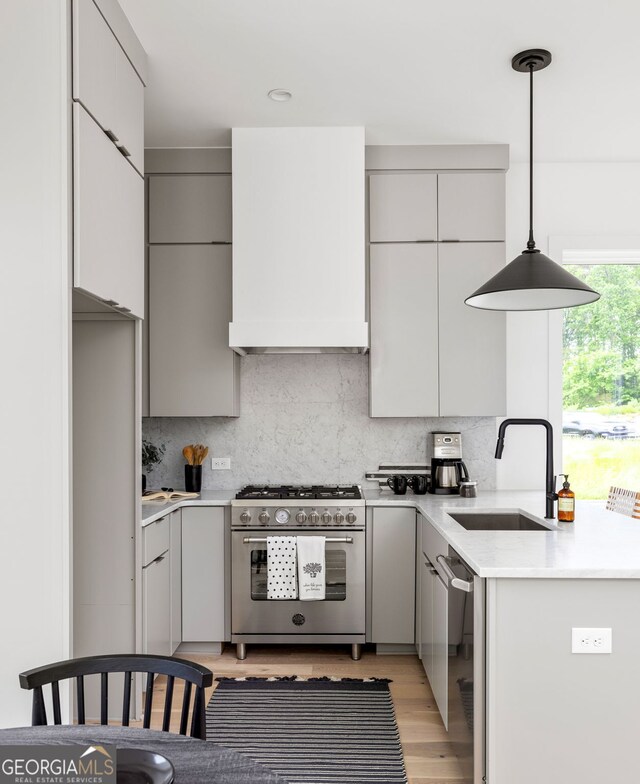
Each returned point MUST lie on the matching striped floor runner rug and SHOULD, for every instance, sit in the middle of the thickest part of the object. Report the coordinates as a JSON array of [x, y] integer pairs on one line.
[[318, 731]]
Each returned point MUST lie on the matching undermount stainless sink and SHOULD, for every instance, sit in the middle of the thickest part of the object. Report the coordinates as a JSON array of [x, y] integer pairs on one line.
[[497, 521]]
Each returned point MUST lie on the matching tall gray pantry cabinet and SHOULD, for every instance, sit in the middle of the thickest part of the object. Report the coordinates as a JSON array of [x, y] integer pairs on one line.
[[108, 67]]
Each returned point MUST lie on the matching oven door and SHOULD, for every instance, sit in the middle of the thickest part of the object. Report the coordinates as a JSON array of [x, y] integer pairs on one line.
[[341, 612]]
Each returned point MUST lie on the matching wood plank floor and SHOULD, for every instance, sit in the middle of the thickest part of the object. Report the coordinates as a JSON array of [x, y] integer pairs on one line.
[[429, 758]]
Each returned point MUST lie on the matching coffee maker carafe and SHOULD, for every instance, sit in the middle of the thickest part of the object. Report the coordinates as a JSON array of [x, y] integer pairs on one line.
[[447, 467]]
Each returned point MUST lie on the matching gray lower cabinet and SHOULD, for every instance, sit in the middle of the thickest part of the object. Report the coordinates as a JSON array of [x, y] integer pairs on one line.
[[156, 598], [392, 575], [203, 574], [403, 360], [175, 537], [433, 611], [192, 370]]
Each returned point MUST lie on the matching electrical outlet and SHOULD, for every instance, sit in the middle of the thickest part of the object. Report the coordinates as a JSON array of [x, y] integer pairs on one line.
[[591, 640], [221, 463]]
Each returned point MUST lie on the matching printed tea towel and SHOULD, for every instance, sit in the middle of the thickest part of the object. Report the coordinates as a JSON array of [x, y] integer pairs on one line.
[[281, 567], [311, 567]]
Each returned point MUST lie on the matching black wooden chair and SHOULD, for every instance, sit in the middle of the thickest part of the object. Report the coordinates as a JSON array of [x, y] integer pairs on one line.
[[193, 675]]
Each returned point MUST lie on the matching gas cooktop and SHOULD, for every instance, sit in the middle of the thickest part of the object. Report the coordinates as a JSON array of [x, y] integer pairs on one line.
[[292, 492]]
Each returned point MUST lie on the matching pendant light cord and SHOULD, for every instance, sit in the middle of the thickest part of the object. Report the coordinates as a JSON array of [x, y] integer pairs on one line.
[[531, 243]]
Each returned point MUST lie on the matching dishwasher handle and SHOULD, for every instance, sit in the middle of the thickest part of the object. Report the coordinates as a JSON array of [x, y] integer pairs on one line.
[[456, 582]]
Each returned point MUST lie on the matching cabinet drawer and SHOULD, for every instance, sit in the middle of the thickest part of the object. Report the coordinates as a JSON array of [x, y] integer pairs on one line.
[[433, 544], [155, 540]]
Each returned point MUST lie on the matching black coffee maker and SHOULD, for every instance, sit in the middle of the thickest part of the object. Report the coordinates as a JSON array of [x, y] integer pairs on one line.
[[447, 467]]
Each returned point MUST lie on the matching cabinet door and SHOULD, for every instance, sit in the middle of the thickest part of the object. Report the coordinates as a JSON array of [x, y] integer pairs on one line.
[[192, 370], [94, 64], [108, 219], [157, 606], [440, 667], [203, 574], [105, 82], [393, 576], [471, 206], [403, 207], [175, 533], [129, 110], [426, 617], [472, 341], [190, 208], [403, 315]]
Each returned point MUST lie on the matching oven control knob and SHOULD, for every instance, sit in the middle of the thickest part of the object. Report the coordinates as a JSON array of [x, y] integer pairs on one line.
[[301, 517], [326, 518], [351, 518], [245, 517], [314, 518], [339, 518], [263, 517]]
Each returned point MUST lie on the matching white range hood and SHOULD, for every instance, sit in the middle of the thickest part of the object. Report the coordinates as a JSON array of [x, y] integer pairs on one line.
[[298, 240]]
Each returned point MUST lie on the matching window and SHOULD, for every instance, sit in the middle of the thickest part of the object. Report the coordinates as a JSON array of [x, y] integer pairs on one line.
[[601, 374]]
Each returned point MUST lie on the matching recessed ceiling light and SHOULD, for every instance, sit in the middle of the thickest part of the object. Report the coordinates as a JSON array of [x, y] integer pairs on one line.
[[279, 95]]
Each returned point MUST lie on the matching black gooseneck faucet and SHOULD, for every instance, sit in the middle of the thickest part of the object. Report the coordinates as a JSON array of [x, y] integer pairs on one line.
[[552, 496]]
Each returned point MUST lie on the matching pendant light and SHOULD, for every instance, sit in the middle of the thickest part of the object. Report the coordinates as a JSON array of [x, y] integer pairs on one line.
[[532, 281]]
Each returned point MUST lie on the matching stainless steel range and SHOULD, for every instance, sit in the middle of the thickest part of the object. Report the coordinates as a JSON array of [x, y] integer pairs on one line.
[[336, 512]]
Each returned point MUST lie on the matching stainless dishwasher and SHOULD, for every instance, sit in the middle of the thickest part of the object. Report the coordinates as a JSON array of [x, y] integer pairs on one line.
[[466, 665]]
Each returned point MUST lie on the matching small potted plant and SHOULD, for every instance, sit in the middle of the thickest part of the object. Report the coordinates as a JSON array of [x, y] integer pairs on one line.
[[151, 456]]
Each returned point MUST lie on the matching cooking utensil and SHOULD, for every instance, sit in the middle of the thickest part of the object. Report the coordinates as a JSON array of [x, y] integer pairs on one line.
[[187, 453]]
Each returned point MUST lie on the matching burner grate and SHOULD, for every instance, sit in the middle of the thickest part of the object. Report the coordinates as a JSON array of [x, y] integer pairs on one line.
[[295, 491]]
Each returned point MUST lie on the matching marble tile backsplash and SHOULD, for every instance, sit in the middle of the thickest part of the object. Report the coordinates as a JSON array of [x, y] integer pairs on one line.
[[304, 418]]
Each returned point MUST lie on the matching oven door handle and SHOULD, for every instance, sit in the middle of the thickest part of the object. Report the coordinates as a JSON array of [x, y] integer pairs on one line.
[[328, 540]]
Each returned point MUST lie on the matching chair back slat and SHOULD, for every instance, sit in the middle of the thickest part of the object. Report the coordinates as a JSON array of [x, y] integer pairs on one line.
[[104, 698], [55, 696], [184, 716], [80, 698], [166, 719], [126, 699], [38, 711], [193, 675], [198, 723], [148, 700]]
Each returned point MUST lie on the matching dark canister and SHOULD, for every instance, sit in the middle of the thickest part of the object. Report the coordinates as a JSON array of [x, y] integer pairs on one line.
[[192, 478], [398, 483]]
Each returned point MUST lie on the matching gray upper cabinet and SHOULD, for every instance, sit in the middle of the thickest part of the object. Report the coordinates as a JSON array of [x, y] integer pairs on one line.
[[190, 208], [105, 82], [108, 204], [472, 341], [403, 361], [471, 206], [403, 207], [192, 370]]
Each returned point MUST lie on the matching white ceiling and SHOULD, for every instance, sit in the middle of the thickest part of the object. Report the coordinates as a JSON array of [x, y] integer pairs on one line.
[[410, 71]]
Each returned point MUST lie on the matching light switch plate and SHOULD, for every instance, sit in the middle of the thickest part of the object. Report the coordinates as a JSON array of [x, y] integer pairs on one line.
[[221, 463], [588, 640]]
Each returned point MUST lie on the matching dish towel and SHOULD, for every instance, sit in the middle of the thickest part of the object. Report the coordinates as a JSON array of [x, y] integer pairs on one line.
[[311, 567], [281, 567]]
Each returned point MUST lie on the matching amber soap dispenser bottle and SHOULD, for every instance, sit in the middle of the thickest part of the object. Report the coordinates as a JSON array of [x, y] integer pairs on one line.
[[566, 502]]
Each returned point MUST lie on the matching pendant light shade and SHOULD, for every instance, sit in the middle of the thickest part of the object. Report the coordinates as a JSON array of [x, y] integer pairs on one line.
[[532, 281]]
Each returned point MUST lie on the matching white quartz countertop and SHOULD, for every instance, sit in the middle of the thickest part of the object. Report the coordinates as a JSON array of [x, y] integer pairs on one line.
[[599, 544], [154, 510]]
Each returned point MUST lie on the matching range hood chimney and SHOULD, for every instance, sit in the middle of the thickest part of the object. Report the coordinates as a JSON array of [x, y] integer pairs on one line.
[[298, 240]]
